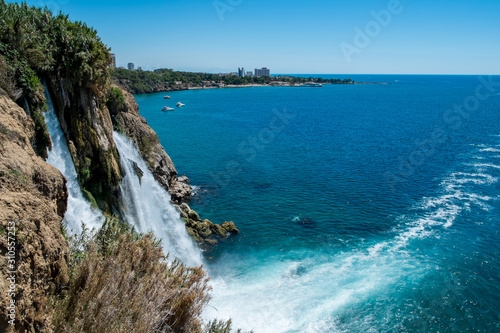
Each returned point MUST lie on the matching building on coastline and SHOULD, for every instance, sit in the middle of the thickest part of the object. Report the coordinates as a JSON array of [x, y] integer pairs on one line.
[[249, 73], [139, 69], [113, 60], [233, 73], [264, 71], [130, 66], [241, 72]]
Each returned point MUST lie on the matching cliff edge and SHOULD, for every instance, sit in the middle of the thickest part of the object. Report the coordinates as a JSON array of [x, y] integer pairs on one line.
[[33, 199]]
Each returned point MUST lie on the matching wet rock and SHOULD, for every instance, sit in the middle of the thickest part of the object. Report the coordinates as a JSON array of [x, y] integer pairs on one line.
[[137, 171], [193, 215], [127, 119], [88, 129], [211, 242], [180, 191], [183, 179], [230, 227], [218, 230]]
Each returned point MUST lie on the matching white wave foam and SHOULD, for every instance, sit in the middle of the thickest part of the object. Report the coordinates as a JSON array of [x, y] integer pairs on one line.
[[484, 165], [490, 149], [475, 178], [308, 295], [195, 189], [274, 298]]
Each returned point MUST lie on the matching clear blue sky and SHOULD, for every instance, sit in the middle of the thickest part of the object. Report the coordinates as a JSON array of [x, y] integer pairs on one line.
[[288, 36]]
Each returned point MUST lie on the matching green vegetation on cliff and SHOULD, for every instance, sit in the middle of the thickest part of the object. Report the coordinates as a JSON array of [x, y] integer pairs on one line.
[[120, 281], [34, 43], [46, 44]]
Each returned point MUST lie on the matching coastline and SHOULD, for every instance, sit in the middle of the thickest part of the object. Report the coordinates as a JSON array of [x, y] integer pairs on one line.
[[254, 85]]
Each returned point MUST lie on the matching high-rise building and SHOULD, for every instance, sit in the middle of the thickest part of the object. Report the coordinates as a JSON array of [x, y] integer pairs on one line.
[[264, 71], [113, 63], [241, 72], [130, 66]]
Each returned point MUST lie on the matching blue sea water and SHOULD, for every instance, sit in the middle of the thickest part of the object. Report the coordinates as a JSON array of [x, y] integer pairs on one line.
[[362, 208]]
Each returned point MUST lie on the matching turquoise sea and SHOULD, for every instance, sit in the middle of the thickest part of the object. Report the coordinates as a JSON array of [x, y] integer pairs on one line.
[[362, 208]]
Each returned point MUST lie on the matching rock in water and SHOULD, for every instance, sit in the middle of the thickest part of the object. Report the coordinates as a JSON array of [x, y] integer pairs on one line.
[[138, 171], [230, 227]]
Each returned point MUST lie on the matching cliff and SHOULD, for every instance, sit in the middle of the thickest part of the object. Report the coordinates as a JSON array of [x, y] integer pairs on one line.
[[126, 118], [88, 116], [33, 198], [87, 126], [39, 270]]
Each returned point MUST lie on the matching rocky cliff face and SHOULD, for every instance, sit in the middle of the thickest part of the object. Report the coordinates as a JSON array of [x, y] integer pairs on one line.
[[89, 131], [33, 199], [126, 118]]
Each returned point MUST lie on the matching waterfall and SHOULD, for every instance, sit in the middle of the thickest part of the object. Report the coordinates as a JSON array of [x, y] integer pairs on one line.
[[146, 205], [79, 210], [27, 107]]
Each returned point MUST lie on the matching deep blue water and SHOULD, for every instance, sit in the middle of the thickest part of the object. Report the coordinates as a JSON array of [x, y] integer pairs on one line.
[[362, 208]]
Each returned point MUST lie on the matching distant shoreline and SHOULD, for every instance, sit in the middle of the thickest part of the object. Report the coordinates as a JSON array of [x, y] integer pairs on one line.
[[271, 85], [163, 80]]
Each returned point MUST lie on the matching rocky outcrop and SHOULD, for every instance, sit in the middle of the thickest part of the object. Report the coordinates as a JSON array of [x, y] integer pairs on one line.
[[33, 199], [204, 231], [87, 126]]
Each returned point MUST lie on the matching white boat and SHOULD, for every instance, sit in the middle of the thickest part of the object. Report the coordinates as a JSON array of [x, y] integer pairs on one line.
[[166, 108], [166, 97], [179, 104]]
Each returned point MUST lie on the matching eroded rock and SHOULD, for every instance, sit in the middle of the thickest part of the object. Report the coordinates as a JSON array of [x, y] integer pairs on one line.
[[33, 199]]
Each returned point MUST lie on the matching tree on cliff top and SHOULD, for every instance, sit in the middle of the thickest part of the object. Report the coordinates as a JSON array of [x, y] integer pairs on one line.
[[53, 44], [34, 43]]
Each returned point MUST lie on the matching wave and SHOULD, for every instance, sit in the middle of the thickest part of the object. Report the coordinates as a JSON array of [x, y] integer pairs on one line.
[[481, 166], [334, 288], [490, 149]]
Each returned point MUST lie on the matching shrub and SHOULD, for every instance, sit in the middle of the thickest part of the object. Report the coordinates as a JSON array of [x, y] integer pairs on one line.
[[124, 283], [34, 43], [115, 101]]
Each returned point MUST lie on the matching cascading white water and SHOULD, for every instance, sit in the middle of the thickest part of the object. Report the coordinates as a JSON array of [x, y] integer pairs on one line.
[[146, 205], [311, 290], [79, 210]]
